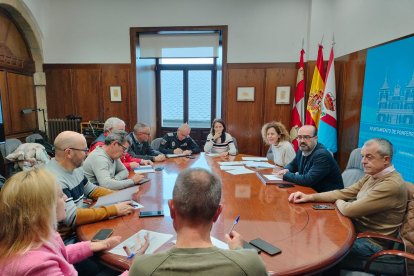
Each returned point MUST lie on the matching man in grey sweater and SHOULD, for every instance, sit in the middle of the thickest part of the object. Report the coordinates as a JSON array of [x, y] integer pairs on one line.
[[103, 166]]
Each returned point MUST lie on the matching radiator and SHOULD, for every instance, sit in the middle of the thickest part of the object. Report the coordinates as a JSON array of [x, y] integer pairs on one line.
[[56, 126]]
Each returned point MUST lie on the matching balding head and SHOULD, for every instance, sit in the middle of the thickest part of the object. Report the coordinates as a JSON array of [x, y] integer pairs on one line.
[[183, 131], [70, 149]]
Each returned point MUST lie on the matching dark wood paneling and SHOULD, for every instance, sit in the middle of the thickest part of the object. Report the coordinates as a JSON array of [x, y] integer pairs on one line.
[[21, 95], [114, 76], [244, 119], [86, 87], [59, 93], [280, 76]]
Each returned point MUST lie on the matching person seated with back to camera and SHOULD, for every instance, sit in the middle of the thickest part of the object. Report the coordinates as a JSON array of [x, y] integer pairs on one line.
[[179, 142], [195, 207], [103, 166], [219, 141], [276, 136], [31, 204], [313, 166]]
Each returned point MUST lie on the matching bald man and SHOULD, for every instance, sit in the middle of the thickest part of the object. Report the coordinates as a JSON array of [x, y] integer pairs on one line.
[[179, 142], [313, 165], [71, 150]]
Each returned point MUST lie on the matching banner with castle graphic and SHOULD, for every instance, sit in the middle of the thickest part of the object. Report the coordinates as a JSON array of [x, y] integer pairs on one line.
[[388, 101]]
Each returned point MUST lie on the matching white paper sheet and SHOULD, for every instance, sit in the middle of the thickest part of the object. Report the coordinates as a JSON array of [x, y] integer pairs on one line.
[[255, 158], [156, 241], [119, 196], [213, 154], [240, 171], [215, 242], [172, 155], [230, 163], [144, 169], [227, 168], [255, 164], [272, 177]]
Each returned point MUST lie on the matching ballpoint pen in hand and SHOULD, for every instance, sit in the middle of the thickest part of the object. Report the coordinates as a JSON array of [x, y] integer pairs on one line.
[[234, 224]]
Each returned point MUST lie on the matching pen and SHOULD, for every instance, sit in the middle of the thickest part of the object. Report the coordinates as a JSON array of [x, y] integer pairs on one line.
[[234, 223], [128, 252]]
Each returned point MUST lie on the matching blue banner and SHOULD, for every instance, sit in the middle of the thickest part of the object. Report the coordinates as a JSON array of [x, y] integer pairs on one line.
[[388, 101]]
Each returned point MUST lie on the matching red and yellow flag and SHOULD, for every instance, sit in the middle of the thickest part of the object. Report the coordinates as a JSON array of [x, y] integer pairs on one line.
[[313, 110]]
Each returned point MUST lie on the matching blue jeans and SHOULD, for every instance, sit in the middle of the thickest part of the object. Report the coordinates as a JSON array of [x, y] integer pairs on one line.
[[364, 248]]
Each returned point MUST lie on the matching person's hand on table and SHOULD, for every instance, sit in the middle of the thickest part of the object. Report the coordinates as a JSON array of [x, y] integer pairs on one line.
[[299, 197], [134, 165], [146, 162], [187, 152], [280, 172], [159, 158], [234, 240], [178, 151], [223, 154], [140, 247], [106, 244], [124, 208], [137, 178]]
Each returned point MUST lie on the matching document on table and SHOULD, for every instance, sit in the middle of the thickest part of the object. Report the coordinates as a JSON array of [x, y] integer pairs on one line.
[[228, 168], [156, 240], [144, 169], [213, 154], [230, 163], [272, 177], [240, 171], [255, 164], [256, 158], [119, 196], [173, 155]]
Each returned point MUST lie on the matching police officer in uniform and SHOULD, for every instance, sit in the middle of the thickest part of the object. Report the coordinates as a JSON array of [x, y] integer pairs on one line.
[[179, 142]]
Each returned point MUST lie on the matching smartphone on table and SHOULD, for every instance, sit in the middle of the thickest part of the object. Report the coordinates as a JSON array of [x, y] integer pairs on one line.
[[102, 234], [323, 207], [145, 214], [265, 246]]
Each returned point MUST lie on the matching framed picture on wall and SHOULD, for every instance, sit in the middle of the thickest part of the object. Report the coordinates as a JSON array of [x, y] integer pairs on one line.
[[245, 94], [282, 94], [115, 92]]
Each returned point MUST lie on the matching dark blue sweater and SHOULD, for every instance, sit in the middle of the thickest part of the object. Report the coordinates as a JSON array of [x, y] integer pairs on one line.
[[318, 170]]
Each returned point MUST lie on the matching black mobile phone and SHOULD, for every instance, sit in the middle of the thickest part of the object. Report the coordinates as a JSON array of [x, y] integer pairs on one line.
[[247, 245], [158, 169], [265, 246], [323, 207], [144, 180], [102, 234], [151, 214], [285, 185]]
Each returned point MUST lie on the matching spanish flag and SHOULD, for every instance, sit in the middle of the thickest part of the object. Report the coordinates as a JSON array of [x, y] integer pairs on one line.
[[313, 110]]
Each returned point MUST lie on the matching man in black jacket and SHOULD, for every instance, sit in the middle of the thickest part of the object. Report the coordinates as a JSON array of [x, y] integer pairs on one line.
[[314, 165], [139, 145]]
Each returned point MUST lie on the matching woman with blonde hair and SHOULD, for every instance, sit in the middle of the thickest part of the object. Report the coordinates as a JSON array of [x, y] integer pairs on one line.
[[31, 203], [276, 135]]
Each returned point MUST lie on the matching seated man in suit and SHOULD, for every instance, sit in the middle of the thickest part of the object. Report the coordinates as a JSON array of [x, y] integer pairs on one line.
[[139, 146], [375, 203], [103, 166], [113, 124], [194, 208], [179, 142], [313, 165]]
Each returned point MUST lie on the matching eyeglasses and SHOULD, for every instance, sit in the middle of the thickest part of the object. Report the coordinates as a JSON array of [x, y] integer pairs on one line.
[[123, 147], [84, 150], [304, 137]]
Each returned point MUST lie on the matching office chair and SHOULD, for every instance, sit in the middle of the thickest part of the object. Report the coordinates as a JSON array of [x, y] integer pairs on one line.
[[354, 170], [6, 148], [235, 145], [155, 144]]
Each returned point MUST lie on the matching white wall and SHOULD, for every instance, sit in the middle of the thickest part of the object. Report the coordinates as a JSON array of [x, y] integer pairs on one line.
[[97, 31]]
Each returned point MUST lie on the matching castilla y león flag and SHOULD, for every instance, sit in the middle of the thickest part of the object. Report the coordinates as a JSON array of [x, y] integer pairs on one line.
[[313, 108], [298, 108], [327, 123]]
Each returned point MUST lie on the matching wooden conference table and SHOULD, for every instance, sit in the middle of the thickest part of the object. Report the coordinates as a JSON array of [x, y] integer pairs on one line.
[[310, 240]]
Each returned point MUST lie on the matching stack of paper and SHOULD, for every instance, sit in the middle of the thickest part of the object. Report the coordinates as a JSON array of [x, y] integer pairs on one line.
[[272, 177], [144, 169], [256, 158], [241, 170], [116, 197], [255, 164]]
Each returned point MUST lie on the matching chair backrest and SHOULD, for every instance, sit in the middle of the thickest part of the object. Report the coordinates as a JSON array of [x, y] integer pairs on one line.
[[11, 145], [354, 170], [34, 138], [269, 154], [235, 144], [155, 144]]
